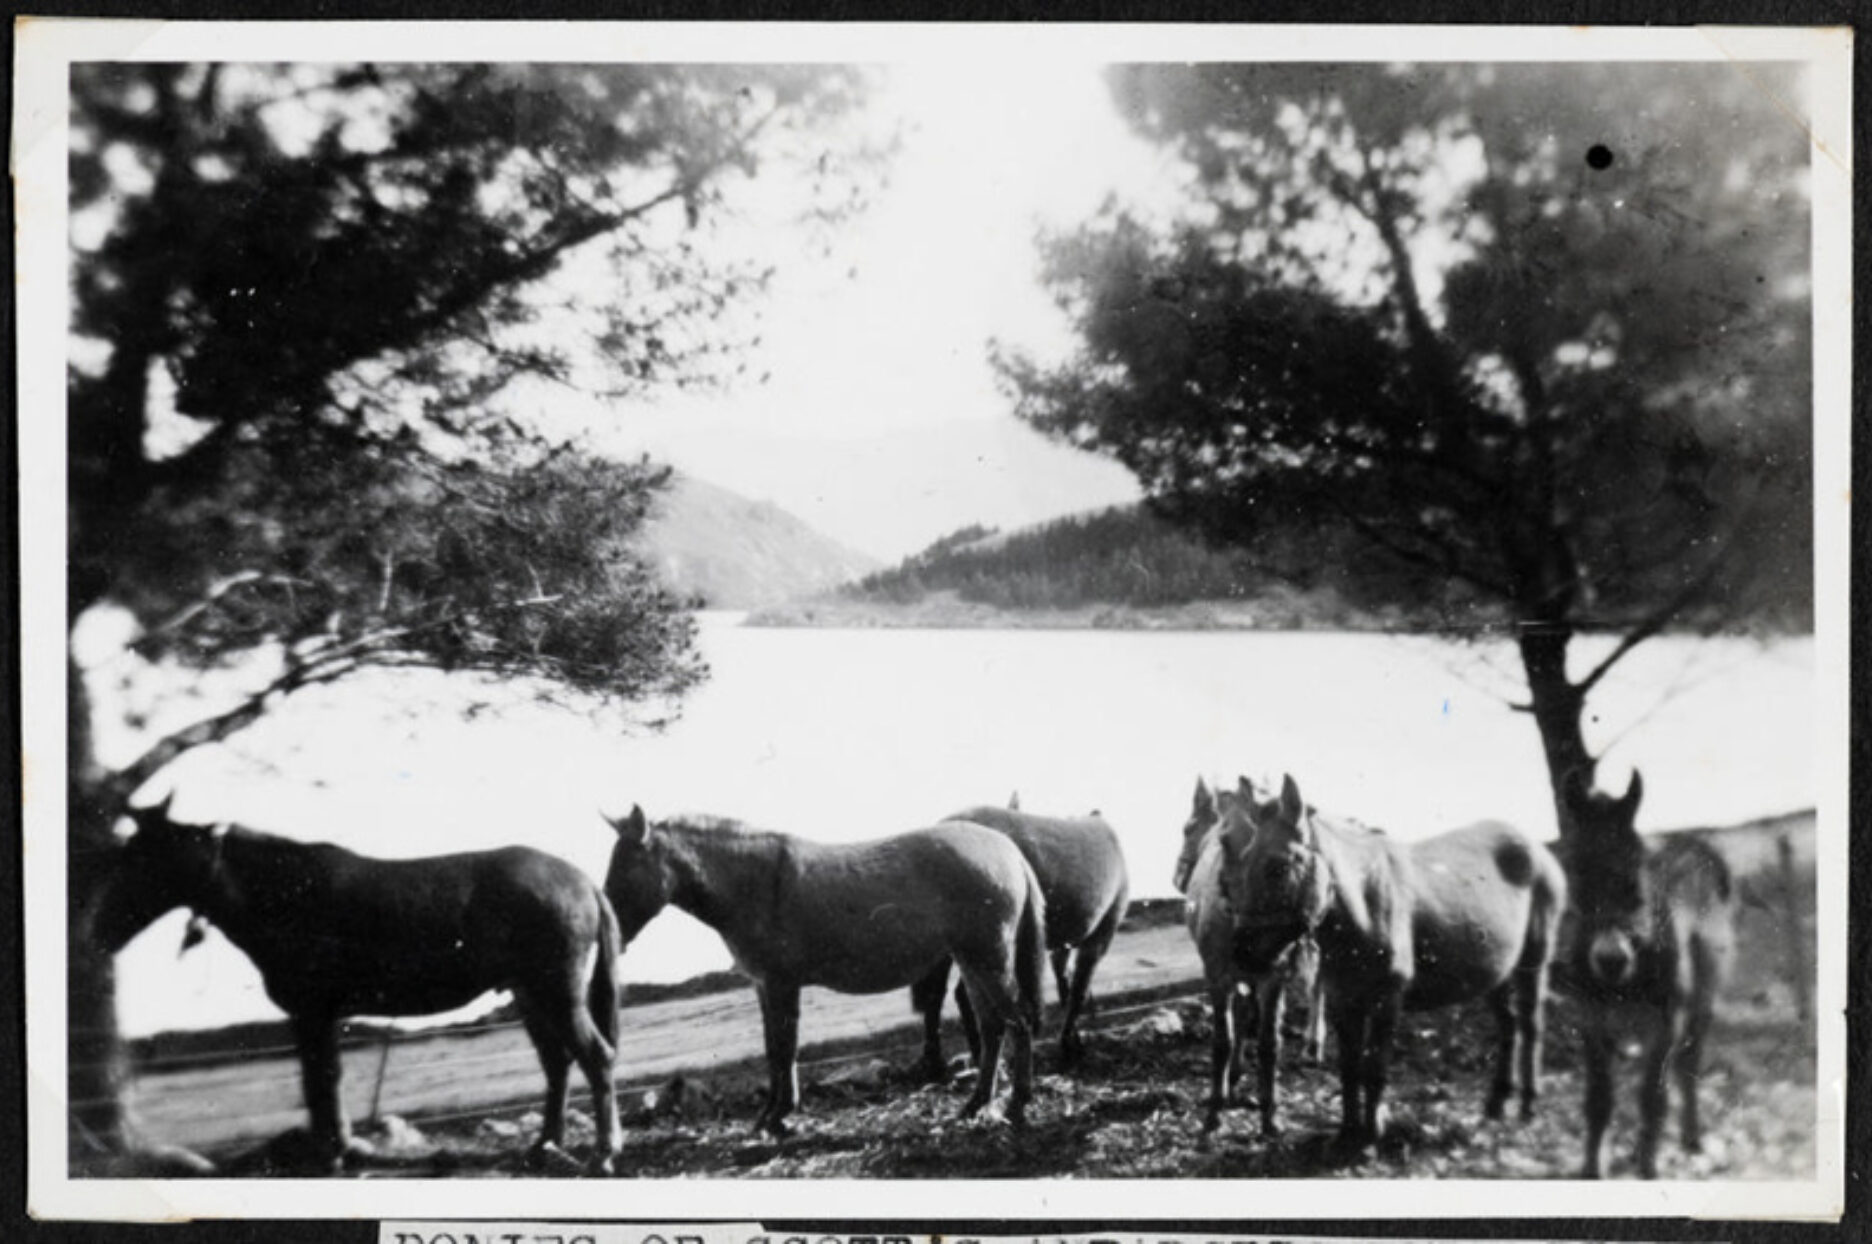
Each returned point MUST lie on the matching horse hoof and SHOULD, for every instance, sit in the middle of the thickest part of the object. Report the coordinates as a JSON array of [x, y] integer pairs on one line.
[[604, 1164], [1270, 1130], [548, 1158]]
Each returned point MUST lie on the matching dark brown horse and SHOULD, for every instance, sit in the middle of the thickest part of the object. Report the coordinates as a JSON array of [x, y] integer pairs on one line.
[[336, 934], [1081, 870], [1655, 931], [1240, 1001], [1471, 913], [866, 918]]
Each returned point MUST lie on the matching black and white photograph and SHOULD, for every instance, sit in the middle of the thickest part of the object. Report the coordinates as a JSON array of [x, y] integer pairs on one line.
[[685, 620]]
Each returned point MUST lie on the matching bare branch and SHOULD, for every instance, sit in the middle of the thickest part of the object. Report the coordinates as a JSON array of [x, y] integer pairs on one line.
[[1656, 620]]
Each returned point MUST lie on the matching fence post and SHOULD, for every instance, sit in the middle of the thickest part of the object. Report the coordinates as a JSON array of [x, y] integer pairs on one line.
[[1797, 926], [383, 1065]]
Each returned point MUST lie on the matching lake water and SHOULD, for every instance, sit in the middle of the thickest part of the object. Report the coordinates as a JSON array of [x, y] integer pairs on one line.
[[842, 735]]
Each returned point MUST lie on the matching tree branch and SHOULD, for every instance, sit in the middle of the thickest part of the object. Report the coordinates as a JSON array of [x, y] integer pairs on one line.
[[1656, 620]]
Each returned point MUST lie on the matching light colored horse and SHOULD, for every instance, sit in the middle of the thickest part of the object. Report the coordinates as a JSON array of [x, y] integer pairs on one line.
[[336, 934], [1239, 1000], [1081, 869], [1471, 913], [865, 918], [1654, 938]]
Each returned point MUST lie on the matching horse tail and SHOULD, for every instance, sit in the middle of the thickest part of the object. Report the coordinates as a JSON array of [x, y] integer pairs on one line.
[[1549, 890], [1030, 951], [603, 996]]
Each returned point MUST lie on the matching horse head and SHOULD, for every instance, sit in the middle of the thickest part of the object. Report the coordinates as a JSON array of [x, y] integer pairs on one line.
[[639, 881], [1202, 819], [163, 864], [1272, 878], [1608, 865]]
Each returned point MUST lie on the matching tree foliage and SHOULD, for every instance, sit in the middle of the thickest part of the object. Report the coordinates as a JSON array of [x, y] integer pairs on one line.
[[300, 293], [1543, 330]]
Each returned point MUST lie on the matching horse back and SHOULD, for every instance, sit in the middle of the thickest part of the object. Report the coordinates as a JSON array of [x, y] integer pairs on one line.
[[1693, 897], [1078, 861], [410, 936], [873, 916], [1485, 900]]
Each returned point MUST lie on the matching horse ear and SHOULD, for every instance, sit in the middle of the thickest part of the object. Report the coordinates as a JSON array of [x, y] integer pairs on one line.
[[1634, 794], [1205, 800], [633, 829], [1014, 802], [1245, 788], [1290, 805]]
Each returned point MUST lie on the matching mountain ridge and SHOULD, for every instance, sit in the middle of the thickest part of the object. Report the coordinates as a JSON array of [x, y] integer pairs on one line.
[[740, 552]]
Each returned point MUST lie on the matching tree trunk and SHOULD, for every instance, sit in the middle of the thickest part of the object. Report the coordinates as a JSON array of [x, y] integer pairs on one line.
[[1557, 705], [97, 1072]]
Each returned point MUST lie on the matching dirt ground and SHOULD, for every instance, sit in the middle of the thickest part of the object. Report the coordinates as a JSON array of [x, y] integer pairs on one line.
[[1135, 1109]]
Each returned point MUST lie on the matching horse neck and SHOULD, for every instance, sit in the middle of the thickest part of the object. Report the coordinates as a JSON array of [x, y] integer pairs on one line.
[[1349, 854], [251, 886], [721, 874]]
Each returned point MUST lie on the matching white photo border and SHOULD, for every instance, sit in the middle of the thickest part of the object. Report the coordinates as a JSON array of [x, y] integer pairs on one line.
[[45, 51]]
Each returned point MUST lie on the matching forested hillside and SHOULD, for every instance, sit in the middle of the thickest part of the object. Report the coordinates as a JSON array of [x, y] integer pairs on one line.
[[1128, 557]]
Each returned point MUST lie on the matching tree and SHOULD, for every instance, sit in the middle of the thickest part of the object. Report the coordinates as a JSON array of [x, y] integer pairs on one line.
[[303, 300], [1540, 330]]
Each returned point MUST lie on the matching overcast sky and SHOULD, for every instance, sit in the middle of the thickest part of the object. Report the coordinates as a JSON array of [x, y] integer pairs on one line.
[[880, 423]]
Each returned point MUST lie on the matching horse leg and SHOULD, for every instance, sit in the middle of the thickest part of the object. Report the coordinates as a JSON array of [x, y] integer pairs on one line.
[[1654, 1089], [1271, 999], [1601, 1051], [926, 996], [971, 1026], [780, 1020], [1221, 1050], [1501, 1005], [1688, 1060], [1085, 960], [1314, 1050], [1022, 1055], [1349, 1030], [1062, 959], [322, 1074], [596, 1058], [992, 1015], [555, 1057], [1531, 1019], [1378, 1037]]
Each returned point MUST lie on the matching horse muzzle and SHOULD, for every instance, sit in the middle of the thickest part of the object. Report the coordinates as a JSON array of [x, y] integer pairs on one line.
[[1612, 958]]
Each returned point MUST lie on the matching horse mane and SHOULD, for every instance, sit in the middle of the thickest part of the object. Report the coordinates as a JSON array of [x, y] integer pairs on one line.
[[722, 826]]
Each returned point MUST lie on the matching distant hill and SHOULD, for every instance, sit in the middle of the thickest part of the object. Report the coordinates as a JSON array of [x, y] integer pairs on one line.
[[1126, 559], [738, 553]]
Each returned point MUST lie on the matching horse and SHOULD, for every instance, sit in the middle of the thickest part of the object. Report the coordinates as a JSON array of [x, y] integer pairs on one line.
[[335, 934], [1239, 1000], [1654, 938], [865, 918], [1471, 913], [1081, 869]]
